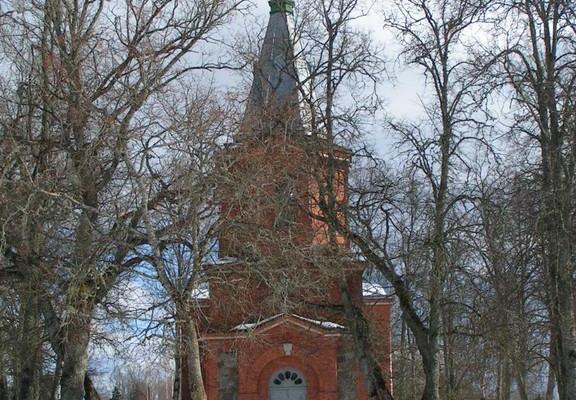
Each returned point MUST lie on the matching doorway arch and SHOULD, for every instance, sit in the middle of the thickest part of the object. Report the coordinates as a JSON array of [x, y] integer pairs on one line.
[[287, 384]]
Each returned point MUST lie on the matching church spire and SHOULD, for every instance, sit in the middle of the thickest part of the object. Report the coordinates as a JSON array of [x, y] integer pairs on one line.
[[274, 101]]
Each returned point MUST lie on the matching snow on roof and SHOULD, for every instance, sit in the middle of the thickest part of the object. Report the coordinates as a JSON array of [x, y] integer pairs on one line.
[[223, 261], [322, 324], [253, 325], [370, 289], [248, 326], [201, 292]]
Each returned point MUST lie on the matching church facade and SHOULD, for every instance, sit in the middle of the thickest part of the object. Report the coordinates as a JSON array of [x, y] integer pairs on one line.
[[273, 327]]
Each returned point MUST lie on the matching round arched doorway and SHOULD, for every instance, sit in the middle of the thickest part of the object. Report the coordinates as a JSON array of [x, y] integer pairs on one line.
[[287, 384]]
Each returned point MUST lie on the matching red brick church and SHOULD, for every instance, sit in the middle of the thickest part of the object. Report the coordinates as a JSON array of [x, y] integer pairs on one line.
[[273, 328]]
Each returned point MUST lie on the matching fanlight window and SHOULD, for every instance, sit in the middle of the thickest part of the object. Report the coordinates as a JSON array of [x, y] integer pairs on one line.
[[287, 378]]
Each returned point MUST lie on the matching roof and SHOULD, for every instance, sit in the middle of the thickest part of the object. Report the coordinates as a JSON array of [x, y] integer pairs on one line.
[[370, 289], [275, 91], [201, 292], [327, 325], [223, 261]]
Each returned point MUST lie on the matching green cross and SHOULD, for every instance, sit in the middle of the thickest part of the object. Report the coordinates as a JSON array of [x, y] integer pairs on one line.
[[286, 6]]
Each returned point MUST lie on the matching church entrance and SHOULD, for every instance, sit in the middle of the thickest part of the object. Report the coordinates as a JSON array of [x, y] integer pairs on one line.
[[287, 384]]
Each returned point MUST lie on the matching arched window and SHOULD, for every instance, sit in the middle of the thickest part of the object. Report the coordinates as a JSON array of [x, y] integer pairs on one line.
[[287, 384]]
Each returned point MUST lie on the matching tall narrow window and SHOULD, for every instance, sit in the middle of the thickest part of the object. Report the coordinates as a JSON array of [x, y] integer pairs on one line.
[[285, 204]]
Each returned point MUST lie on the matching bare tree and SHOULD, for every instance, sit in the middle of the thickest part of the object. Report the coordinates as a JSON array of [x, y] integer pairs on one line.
[[510, 307], [431, 34], [195, 129], [338, 92], [71, 118], [537, 64]]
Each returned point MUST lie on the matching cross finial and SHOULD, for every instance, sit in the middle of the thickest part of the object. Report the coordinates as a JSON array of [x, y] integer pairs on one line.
[[285, 6]]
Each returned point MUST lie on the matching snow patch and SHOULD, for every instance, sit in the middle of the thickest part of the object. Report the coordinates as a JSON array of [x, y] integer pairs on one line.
[[224, 261], [323, 324], [370, 289], [248, 326], [201, 292]]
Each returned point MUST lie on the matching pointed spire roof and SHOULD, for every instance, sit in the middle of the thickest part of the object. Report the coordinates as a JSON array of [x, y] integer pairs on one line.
[[274, 99]]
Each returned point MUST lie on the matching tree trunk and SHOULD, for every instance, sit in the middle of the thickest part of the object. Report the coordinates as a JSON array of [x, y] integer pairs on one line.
[[566, 327], [550, 384], [359, 328], [504, 378], [3, 388], [26, 382], [448, 343], [30, 348], [521, 384], [430, 350], [192, 355], [557, 212], [56, 377], [431, 368], [560, 275], [75, 360], [90, 392], [177, 368]]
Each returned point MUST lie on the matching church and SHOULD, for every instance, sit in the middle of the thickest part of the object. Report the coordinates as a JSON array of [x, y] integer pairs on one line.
[[272, 326]]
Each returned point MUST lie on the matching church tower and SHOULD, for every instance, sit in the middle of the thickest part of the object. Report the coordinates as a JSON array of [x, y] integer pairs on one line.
[[273, 327]]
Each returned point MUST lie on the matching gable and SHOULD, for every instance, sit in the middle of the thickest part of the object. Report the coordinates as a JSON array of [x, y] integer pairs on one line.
[[290, 320]]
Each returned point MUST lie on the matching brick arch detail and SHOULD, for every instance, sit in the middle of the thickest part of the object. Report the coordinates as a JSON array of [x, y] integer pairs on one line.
[[310, 375]]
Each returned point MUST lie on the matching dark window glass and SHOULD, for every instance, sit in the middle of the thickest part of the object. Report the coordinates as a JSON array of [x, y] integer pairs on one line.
[[285, 377], [285, 204]]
